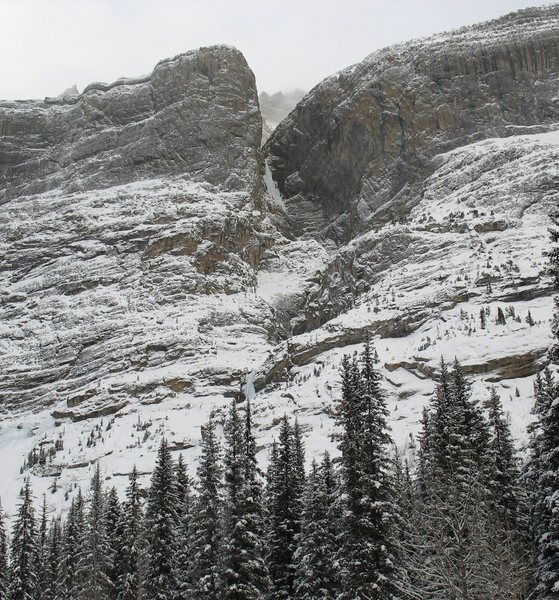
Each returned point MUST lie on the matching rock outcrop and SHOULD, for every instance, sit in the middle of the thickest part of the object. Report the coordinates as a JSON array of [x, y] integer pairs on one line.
[[181, 119], [124, 208], [354, 152]]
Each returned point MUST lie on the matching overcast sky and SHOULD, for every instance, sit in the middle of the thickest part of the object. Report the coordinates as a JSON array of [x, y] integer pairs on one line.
[[48, 45]]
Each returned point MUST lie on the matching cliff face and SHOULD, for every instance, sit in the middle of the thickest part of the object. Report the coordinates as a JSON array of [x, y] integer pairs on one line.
[[152, 265], [354, 152], [181, 119], [126, 212]]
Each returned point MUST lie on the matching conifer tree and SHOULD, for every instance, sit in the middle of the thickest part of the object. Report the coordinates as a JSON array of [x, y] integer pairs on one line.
[[506, 527], [284, 507], [161, 528], [53, 560], [24, 551], [42, 542], [503, 469], [129, 584], [366, 540], [542, 475], [553, 256], [184, 489], [69, 583], [542, 471], [184, 516], [114, 526], [3, 557], [299, 457], [403, 495], [460, 544], [245, 575], [94, 566], [315, 571], [500, 320], [206, 534]]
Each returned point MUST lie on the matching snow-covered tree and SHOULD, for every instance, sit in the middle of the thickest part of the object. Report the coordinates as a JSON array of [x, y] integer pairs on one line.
[[184, 516], [69, 583], [42, 582], [94, 566], [129, 584], [114, 526], [553, 255], [3, 557], [366, 539], [503, 468], [542, 476], [461, 543], [206, 524], [284, 499], [315, 568], [161, 529], [245, 575], [24, 551], [53, 560]]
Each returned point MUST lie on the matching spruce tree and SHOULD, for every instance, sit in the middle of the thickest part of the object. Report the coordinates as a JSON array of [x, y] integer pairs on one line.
[[503, 469], [284, 507], [460, 545], [42, 541], [94, 566], [114, 526], [543, 478], [3, 557], [500, 320], [206, 532], [24, 551], [299, 457], [69, 583], [315, 571], [129, 584], [53, 560], [184, 516], [553, 256], [245, 576], [366, 540], [507, 525], [161, 528]]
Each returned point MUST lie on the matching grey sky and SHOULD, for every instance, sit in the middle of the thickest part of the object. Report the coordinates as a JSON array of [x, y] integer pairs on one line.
[[48, 45]]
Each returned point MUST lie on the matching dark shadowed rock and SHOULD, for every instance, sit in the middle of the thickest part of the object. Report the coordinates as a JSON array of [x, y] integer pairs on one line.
[[353, 153]]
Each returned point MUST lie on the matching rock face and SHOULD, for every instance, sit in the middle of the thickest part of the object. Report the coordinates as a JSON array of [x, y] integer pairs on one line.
[[180, 119], [153, 266], [123, 208], [356, 149]]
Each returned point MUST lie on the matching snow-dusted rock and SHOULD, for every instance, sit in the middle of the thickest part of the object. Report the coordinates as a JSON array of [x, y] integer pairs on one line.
[[129, 215], [356, 149], [151, 268], [180, 119]]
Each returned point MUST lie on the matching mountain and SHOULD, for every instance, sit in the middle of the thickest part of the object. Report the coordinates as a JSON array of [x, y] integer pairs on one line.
[[275, 107], [356, 150], [154, 260]]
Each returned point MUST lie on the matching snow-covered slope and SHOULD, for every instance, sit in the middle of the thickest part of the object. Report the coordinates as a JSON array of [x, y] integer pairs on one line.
[[134, 302], [482, 219]]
